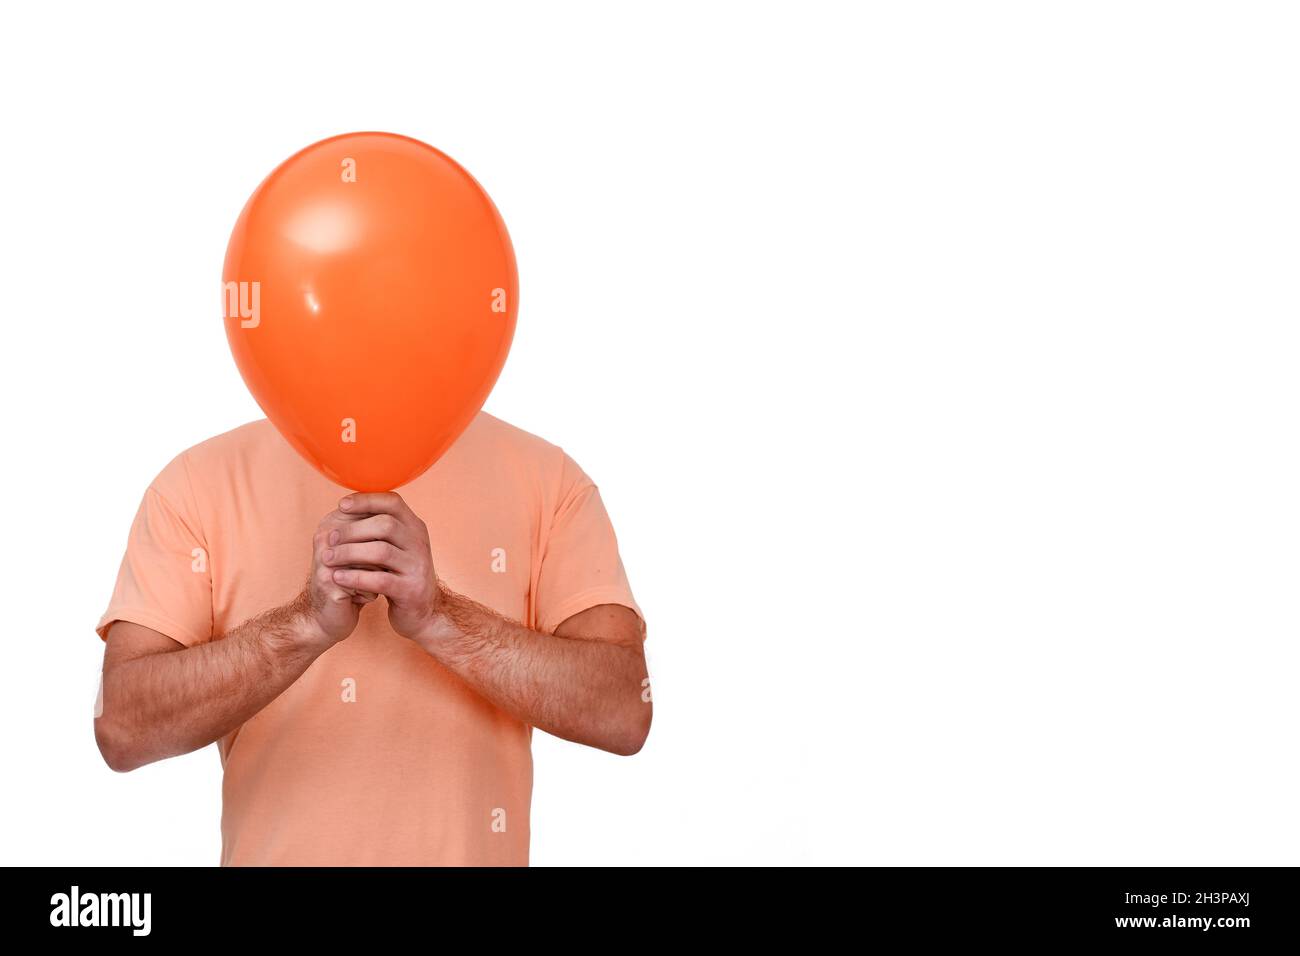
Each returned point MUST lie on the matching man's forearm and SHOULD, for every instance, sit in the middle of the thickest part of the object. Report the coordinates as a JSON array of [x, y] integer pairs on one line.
[[165, 704], [586, 690]]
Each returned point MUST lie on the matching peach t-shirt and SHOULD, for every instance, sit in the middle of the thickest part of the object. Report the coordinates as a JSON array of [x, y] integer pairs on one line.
[[376, 755]]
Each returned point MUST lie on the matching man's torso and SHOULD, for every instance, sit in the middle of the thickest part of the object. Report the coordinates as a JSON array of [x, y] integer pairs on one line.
[[377, 754]]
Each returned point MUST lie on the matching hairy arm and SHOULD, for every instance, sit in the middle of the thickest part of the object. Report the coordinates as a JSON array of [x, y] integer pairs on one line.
[[586, 683], [161, 698]]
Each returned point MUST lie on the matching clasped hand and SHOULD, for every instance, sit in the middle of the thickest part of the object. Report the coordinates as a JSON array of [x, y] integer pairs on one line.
[[374, 544]]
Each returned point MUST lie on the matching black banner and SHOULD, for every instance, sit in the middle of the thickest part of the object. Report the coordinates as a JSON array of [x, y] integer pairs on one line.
[[1225, 907]]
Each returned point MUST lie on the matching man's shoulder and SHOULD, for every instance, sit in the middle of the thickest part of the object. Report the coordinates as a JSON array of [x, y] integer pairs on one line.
[[183, 479], [510, 439], [492, 445], [251, 452], [249, 439]]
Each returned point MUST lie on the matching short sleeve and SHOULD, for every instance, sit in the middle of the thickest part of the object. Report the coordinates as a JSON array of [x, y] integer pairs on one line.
[[165, 582], [580, 566]]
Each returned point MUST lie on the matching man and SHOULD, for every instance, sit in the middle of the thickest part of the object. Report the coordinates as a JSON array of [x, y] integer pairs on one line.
[[354, 731]]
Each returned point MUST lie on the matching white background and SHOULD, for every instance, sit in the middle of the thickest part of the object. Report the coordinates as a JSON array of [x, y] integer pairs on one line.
[[937, 363]]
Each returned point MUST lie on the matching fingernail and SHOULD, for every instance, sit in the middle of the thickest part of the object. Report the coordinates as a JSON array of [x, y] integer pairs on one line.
[[345, 504], [334, 537], [328, 554]]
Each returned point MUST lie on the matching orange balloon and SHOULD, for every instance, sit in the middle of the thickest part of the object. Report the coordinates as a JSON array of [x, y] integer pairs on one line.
[[370, 295]]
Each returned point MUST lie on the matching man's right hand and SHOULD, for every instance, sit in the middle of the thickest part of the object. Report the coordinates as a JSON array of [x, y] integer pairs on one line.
[[331, 611]]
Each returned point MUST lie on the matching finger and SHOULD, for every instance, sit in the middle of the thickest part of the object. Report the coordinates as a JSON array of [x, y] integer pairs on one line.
[[337, 594], [337, 519], [325, 576], [376, 503], [373, 554], [381, 527], [332, 521], [352, 592], [377, 582]]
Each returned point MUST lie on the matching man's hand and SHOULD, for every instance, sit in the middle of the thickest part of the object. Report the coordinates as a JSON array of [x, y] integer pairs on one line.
[[384, 549], [331, 609]]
